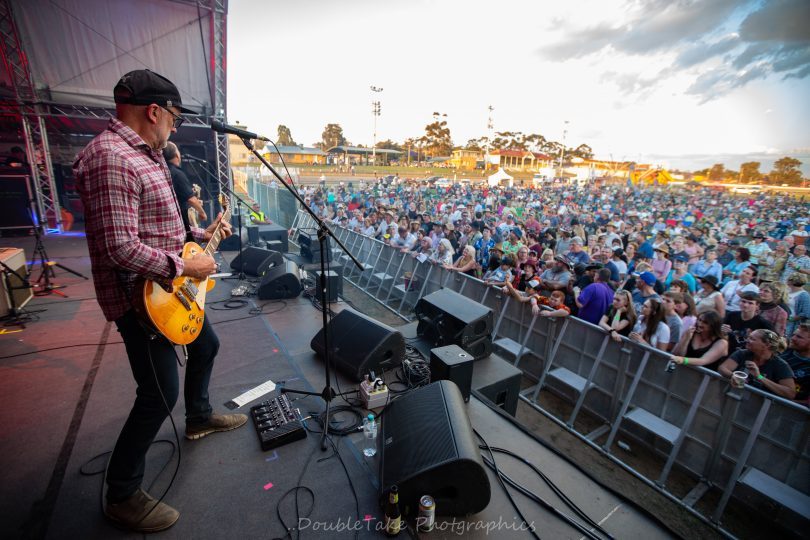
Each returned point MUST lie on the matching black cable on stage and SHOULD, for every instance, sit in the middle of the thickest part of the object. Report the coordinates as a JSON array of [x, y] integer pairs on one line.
[[503, 486], [557, 491], [506, 416]]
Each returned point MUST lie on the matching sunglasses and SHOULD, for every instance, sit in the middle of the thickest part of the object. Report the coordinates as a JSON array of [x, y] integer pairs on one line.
[[178, 120]]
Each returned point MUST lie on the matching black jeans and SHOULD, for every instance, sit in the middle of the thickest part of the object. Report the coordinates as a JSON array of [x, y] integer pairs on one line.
[[125, 471]]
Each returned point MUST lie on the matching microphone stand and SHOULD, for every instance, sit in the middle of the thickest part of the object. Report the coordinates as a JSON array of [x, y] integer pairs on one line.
[[328, 394], [241, 276]]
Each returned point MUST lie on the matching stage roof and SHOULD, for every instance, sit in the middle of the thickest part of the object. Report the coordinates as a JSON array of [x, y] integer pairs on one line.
[[78, 49]]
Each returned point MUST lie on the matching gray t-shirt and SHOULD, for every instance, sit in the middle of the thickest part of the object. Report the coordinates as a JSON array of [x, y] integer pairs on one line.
[[675, 327]]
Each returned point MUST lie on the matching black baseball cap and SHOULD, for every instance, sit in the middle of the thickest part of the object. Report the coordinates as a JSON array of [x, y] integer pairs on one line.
[[147, 87]]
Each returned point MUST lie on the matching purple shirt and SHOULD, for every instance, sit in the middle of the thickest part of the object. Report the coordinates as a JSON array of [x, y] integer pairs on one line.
[[596, 298]]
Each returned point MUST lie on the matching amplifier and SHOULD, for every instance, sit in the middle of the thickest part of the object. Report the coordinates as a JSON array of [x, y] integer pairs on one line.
[[13, 294]]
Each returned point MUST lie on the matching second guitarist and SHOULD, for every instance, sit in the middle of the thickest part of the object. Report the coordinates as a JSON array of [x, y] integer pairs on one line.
[[189, 199], [134, 231]]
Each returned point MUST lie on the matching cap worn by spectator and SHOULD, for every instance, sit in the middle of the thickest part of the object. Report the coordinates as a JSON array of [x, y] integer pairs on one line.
[[145, 87], [593, 266], [517, 232], [648, 278], [680, 258]]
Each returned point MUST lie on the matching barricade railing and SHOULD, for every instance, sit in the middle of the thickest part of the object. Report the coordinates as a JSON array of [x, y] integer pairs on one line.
[[741, 443]]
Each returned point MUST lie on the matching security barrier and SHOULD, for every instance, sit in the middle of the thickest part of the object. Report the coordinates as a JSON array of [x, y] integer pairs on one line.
[[740, 443]]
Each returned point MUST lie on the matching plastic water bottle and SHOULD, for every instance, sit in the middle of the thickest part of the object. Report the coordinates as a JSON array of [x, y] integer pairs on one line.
[[370, 432]]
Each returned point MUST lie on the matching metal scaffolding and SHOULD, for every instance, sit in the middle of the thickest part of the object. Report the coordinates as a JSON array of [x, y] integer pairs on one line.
[[30, 112], [33, 110]]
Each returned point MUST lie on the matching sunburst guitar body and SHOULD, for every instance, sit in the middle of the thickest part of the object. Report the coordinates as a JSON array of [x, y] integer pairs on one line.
[[178, 315]]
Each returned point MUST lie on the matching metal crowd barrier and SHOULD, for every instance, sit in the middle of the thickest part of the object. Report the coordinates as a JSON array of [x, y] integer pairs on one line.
[[740, 443]]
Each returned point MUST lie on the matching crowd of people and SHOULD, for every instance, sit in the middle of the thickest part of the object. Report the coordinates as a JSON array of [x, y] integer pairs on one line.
[[715, 279]]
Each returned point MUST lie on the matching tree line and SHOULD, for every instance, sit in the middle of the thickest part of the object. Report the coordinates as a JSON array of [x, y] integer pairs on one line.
[[785, 171], [436, 141]]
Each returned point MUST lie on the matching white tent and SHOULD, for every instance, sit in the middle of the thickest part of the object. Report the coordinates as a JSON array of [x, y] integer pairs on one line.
[[499, 175]]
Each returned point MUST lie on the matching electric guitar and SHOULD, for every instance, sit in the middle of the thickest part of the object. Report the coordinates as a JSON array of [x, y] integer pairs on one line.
[[192, 212], [178, 315]]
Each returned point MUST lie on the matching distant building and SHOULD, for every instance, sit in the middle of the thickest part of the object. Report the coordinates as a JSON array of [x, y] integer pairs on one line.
[[356, 155], [521, 160], [296, 155], [465, 159]]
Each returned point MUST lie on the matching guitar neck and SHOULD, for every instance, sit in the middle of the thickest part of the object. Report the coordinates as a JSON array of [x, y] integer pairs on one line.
[[213, 244]]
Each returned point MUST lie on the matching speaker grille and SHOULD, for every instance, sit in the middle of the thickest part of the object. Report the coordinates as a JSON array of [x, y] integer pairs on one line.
[[428, 414], [429, 449]]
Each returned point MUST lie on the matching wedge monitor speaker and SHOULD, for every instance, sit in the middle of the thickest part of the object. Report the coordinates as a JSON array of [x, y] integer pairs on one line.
[[428, 448], [359, 344], [446, 317], [257, 260], [14, 293], [280, 282]]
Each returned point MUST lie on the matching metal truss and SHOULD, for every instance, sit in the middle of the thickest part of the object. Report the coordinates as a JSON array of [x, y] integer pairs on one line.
[[31, 117], [218, 43]]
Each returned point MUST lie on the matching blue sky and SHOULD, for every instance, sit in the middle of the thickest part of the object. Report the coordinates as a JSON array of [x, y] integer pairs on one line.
[[680, 83]]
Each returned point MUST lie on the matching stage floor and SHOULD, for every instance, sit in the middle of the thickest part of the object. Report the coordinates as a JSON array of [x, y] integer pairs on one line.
[[66, 389]]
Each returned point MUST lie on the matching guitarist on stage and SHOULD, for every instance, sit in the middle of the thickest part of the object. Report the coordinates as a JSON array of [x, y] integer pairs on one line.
[[186, 197], [134, 230]]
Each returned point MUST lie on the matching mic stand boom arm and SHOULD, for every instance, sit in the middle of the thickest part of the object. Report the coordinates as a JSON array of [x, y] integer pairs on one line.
[[323, 232]]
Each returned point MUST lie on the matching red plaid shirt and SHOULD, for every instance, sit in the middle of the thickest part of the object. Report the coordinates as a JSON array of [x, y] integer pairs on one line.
[[132, 218]]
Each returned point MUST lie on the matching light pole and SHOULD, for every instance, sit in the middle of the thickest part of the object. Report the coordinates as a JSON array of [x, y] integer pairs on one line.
[[490, 125], [375, 112], [562, 150]]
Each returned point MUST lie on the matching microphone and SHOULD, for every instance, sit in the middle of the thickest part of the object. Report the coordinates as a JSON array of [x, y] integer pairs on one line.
[[220, 127], [189, 157]]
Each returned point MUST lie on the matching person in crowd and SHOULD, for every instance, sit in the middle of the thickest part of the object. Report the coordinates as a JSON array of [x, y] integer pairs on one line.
[[444, 254], [671, 317], [798, 302], [620, 261], [773, 306], [556, 278], [404, 239], [556, 303], [678, 247], [693, 250], [772, 266], [733, 270], [466, 263], [733, 289], [679, 272], [527, 274], [576, 253], [704, 344], [134, 231], [758, 248], [621, 317], [595, 299], [686, 310], [738, 325], [708, 266], [650, 328], [644, 289], [724, 254], [502, 275], [760, 360], [369, 228], [798, 358], [798, 263], [709, 297]]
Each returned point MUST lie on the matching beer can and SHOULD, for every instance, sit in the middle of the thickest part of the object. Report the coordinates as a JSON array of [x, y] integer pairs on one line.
[[427, 514]]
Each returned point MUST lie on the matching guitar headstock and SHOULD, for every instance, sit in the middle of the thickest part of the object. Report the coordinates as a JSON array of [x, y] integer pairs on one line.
[[224, 201]]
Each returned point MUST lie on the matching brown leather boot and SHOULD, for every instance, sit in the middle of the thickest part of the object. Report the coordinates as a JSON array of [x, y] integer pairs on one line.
[[216, 422], [139, 513]]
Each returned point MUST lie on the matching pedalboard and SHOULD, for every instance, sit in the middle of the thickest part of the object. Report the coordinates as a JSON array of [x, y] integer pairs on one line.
[[277, 422]]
